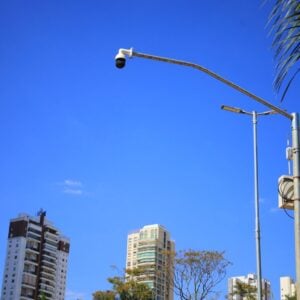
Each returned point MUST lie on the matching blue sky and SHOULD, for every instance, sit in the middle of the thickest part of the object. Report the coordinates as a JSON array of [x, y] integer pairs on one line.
[[105, 151]]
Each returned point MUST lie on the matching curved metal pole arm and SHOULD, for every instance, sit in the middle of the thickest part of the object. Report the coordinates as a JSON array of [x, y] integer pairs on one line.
[[216, 76]]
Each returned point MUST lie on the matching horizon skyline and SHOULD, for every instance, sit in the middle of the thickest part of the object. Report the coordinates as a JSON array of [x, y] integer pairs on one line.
[[22, 214]]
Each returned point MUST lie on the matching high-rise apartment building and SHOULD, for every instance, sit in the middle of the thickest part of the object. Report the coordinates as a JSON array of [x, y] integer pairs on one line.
[[149, 248], [240, 287], [36, 260], [287, 287]]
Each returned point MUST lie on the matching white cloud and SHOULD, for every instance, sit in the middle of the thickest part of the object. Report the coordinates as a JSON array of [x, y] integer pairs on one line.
[[72, 183], [72, 187], [73, 191]]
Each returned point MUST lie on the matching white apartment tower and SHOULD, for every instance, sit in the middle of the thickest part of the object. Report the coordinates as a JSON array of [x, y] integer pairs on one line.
[[251, 281], [36, 260], [148, 248], [287, 287]]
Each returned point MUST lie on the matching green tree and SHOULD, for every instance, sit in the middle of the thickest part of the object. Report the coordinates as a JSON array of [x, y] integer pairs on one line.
[[104, 295], [197, 273], [285, 26], [245, 290], [291, 297], [43, 297], [127, 287], [130, 289]]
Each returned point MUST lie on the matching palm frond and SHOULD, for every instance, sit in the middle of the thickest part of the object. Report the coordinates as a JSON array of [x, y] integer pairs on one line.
[[288, 84], [285, 28]]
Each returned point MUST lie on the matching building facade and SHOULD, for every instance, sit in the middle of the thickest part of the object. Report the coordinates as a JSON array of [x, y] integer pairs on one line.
[[36, 260], [241, 287], [150, 249], [287, 287]]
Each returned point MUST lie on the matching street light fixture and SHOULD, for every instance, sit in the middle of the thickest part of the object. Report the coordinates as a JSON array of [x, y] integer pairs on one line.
[[294, 117], [254, 115], [233, 109]]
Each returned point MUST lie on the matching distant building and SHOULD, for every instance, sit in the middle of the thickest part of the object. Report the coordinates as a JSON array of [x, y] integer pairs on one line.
[[287, 287], [249, 281], [147, 248], [36, 260]]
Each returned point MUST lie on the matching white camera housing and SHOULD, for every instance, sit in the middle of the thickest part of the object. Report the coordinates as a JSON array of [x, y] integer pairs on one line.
[[120, 58]]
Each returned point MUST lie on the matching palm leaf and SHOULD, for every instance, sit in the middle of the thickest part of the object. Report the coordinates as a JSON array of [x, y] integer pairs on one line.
[[288, 85], [285, 28]]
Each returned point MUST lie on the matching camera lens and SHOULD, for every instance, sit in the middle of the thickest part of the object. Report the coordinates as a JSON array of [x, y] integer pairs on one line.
[[120, 62]]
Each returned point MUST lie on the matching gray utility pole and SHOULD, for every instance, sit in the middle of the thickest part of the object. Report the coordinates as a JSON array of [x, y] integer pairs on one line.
[[120, 60], [256, 202], [296, 179], [254, 115]]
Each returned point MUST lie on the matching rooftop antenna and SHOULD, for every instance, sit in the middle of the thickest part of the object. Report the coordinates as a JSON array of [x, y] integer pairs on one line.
[[41, 212]]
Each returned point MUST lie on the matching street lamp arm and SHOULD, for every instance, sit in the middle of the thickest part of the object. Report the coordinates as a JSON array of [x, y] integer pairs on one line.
[[212, 74], [242, 111]]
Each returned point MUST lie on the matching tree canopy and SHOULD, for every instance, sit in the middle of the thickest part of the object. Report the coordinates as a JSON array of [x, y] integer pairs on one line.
[[104, 295], [197, 273], [291, 297], [244, 290], [127, 288]]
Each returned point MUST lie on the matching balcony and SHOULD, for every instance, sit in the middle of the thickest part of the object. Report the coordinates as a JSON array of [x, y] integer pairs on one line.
[[48, 260], [32, 249], [28, 281], [51, 235], [47, 287], [48, 265], [28, 286], [34, 236], [48, 283], [35, 230], [33, 242], [48, 276], [49, 294], [27, 293], [47, 269], [50, 247], [31, 258], [30, 269], [50, 255]]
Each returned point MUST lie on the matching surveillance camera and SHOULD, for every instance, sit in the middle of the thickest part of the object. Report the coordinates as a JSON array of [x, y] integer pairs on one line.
[[121, 57], [120, 60]]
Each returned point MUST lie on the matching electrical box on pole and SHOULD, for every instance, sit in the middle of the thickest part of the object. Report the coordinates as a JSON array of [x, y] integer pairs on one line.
[[286, 192]]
